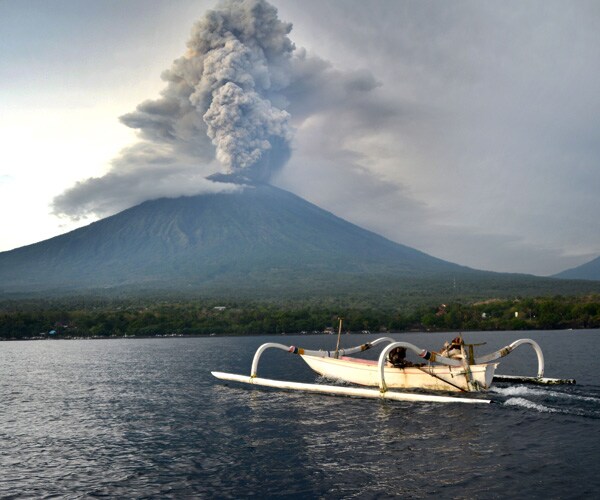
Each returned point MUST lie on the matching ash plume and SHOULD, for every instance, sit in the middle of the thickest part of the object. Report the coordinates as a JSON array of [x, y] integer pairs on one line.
[[224, 87], [237, 61], [225, 109]]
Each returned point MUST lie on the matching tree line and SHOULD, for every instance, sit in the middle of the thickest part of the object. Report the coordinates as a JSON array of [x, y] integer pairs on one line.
[[105, 319]]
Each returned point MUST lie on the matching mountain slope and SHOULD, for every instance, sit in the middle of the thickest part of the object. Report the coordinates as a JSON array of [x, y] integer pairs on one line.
[[588, 271], [203, 238], [262, 241]]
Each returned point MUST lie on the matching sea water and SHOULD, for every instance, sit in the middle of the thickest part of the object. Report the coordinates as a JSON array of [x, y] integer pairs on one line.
[[144, 418]]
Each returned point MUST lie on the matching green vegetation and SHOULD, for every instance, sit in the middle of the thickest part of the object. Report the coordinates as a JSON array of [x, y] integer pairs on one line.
[[97, 317]]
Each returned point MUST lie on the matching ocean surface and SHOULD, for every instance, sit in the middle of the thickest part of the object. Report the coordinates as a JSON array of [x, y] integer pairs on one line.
[[144, 418]]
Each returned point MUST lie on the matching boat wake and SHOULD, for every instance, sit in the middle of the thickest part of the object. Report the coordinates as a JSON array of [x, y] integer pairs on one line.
[[567, 402], [522, 390], [530, 405]]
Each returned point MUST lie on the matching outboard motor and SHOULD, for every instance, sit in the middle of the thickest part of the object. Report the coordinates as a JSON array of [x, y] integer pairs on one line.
[[397, 357]]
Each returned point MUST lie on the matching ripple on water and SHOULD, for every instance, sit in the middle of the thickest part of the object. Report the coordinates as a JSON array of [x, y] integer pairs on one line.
[[145, 419]]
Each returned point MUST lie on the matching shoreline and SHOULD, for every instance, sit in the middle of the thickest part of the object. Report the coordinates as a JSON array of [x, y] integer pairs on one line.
[[295, 334]]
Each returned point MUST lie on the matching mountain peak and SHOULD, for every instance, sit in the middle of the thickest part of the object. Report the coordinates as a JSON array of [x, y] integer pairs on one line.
[[588, 271], [259, 231], [260, 241]]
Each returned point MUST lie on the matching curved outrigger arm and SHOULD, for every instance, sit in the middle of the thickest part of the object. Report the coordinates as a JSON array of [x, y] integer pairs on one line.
[[511, 347], [432, 357], [423, 353], [321, 354]]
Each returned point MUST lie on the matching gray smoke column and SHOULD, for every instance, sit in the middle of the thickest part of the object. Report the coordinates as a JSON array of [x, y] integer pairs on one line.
[[228, 106], [236, 65]]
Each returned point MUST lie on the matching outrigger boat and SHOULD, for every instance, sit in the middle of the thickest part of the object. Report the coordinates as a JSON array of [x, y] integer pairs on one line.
[[454, 369]]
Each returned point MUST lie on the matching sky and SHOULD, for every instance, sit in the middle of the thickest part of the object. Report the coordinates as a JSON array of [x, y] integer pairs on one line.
[[469, 130]]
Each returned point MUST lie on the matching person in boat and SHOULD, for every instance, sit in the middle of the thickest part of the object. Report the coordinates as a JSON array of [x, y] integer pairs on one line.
[[452, 349]]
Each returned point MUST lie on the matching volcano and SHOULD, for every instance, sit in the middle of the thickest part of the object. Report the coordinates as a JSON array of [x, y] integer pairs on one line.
[[259, 241]]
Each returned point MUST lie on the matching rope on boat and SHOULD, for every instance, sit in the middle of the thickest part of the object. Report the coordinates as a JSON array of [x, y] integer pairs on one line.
[[431, 373]]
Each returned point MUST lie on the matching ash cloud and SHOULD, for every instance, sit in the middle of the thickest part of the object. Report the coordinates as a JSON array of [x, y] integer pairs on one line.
[[225, 87], [489, 127], [230, 106]]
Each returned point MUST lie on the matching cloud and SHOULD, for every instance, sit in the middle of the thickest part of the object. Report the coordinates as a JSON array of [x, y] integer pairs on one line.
[[218, 104], [142, 172], [230, 105], [484, 126]]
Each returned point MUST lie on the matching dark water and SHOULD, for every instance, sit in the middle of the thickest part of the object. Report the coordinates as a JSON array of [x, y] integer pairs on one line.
[[145, 419]]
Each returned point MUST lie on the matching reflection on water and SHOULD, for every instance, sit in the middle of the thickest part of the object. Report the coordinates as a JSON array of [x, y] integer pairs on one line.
[[144, 418]]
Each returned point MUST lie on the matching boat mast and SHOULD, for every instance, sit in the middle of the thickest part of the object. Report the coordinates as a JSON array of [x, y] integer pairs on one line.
[[337, 347]]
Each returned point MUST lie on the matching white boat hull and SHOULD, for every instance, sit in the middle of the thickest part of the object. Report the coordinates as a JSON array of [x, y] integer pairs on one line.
[[428, 377]]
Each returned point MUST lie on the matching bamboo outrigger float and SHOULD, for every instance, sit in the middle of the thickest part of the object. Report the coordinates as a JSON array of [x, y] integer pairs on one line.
[[454, 369]]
